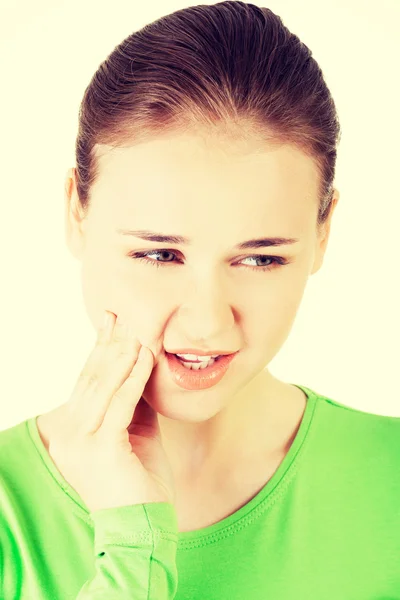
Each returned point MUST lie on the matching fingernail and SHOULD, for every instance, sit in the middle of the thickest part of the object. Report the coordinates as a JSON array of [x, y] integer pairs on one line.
[[107, 318]]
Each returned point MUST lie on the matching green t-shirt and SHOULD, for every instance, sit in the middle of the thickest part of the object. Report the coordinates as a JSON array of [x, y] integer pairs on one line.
[[326, 526]]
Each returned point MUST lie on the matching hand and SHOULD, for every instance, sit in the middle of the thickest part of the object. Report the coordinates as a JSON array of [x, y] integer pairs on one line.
[[109, 447]]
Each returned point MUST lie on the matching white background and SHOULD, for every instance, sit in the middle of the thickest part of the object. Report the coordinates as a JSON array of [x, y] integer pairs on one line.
[[345, 341]]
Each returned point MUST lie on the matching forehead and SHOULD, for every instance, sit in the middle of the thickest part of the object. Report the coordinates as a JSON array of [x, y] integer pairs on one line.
[[173, 172]]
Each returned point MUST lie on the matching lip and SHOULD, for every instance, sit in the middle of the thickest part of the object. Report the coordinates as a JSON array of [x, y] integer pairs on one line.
[[201, 379], [200, 352]]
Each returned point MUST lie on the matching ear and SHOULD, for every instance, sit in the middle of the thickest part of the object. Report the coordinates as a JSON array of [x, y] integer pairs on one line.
[[74, 216], [323, 237]]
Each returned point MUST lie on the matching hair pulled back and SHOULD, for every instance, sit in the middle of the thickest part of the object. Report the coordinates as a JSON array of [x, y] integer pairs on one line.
[[229, 67]]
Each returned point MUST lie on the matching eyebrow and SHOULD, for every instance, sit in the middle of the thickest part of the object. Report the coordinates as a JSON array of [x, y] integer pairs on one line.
[[152, 236]]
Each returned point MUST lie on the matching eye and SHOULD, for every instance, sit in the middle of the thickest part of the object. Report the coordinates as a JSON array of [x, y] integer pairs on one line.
[[274, 261]]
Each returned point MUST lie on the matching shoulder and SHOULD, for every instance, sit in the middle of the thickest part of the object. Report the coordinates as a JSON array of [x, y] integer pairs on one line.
[[16, 450], [358, 435]]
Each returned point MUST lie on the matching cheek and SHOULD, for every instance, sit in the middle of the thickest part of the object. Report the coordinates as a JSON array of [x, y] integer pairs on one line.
[[101, 283], [132, 297], [97, 293], [272, 313]]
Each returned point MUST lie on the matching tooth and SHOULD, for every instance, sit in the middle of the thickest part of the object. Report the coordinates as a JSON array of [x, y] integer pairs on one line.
[[188, 356], [194, 357], [197, 366]]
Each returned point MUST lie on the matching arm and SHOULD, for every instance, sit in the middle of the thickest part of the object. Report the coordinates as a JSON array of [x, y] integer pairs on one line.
[[135, 549]]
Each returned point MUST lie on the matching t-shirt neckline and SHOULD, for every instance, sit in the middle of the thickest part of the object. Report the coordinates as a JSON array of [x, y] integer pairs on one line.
[[226, 526]]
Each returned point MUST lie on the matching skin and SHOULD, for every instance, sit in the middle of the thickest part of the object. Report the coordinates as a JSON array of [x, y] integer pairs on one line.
[[218, 193]]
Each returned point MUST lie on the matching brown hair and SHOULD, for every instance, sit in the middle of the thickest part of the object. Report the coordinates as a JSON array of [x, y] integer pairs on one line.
[[226, 66]]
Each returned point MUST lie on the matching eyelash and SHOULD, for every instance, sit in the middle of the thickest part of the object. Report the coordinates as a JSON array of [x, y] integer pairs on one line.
[[277, 260]]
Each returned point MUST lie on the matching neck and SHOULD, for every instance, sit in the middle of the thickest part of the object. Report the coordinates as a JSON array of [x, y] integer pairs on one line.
[[258, 424]]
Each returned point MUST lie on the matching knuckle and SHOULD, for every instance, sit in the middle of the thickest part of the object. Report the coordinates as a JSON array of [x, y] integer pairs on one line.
[[120, 331], [88, 379], [119, 395], [136, 379], [102, 339], [126, 351], [128, 347]]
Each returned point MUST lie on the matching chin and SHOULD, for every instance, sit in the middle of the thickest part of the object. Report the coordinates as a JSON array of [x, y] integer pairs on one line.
[[186, 406]]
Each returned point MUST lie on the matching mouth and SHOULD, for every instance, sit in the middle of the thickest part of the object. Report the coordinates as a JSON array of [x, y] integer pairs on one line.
[[196, 363], [198, 358], [197, 375]]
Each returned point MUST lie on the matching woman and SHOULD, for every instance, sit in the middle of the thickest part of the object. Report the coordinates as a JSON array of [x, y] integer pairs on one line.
[[206, 148]]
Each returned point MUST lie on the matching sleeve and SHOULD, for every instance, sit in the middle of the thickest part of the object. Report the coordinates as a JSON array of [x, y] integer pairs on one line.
[[135, 553]]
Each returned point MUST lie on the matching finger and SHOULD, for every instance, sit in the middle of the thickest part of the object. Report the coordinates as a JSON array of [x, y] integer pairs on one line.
[[93, 367], [99, 394], [93, 395], [125, 400], [105, 331]]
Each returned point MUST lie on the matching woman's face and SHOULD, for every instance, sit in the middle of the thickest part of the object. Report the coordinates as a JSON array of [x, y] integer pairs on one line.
[[206, 294]]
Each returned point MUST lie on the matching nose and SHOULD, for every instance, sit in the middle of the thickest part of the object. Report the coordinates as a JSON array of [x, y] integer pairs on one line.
[[206, 317]]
